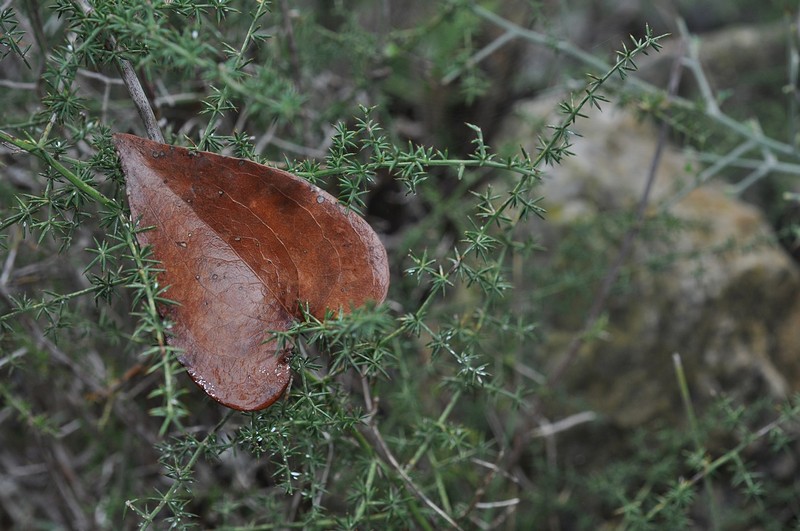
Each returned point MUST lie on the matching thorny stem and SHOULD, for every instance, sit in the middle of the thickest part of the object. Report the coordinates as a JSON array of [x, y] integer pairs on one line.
[[149, 518], [482, 161], [608, 282], [41, 153], [433, 163], [718, 463], [147, 285], [524, 432], [54, 301], [441, 420], [154, 132], [531, 172], [686, 398]]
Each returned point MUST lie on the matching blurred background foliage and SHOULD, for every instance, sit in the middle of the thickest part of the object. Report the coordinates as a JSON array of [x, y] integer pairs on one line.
[[440, 408]]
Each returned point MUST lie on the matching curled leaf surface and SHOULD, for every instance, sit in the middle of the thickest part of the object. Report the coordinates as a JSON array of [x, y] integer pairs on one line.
[[241, 247]]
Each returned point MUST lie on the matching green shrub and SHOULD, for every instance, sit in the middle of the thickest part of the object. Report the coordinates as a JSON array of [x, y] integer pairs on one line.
[[414, 414]]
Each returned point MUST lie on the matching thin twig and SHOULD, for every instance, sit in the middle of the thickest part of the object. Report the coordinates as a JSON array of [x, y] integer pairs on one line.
[[390, 458], [479, 56], [693, 63], [14, 355], [549, 429], [11, 257], [720, 163], [747, 164], [481, 491], [326, 472], [139, 99], [64, 478], [756, 175], [387, 455], [793, 67], [304, 151], [493, 505], [17, 85]]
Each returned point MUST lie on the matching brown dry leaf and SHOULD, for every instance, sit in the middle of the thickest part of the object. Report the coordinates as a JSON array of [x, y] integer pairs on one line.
[[241, 246]]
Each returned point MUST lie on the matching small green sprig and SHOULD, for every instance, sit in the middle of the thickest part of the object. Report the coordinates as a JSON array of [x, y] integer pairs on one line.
[[12, 37]]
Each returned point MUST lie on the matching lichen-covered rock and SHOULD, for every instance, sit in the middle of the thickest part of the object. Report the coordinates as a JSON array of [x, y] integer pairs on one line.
[[706, 278]]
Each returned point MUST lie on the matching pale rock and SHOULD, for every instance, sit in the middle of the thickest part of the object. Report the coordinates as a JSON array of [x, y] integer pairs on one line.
[[725, 296]]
